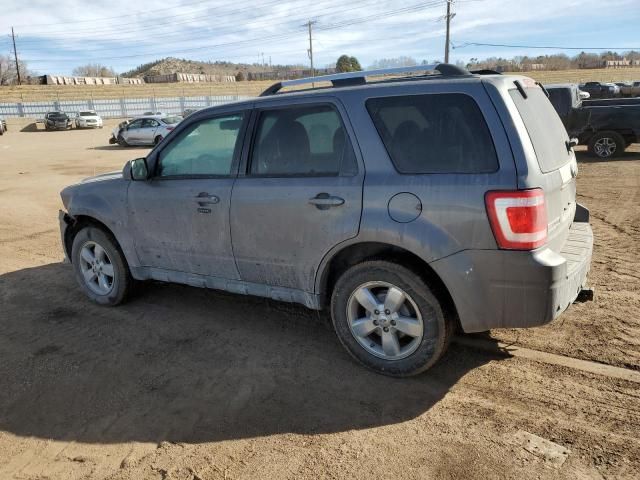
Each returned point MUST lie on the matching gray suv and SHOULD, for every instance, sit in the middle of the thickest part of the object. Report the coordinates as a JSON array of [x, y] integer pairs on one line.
[[407, 206]]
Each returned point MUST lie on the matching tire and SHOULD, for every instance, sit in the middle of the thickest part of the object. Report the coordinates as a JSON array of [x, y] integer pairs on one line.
[[92, 242], [121, 141], [606, 144], [157, 140], [409, 354]]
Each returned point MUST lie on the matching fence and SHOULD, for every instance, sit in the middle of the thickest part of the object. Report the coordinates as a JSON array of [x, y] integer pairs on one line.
[[117, 107]]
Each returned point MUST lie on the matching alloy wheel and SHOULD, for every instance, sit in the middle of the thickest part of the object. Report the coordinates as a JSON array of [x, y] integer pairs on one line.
[[385, 320]]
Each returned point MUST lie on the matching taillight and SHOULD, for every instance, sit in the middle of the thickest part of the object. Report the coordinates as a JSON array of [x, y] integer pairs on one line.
[[170, 128], [518, 218]]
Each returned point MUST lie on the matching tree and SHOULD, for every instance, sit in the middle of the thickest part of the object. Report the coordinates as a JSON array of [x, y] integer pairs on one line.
[[240, 77], [93, 70], [8, 75], [348, 64]]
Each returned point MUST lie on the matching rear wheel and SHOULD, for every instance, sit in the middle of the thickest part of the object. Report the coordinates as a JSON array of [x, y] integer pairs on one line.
[[388, 319], [157, 140], [607, 144], [100, 267]]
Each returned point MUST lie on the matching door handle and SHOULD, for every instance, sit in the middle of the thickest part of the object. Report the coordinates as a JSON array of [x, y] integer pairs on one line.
[[204, 198], [324, 201]]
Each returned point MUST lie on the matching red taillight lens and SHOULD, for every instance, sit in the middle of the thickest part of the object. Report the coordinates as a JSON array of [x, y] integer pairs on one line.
[[518, 218], [170, 128]]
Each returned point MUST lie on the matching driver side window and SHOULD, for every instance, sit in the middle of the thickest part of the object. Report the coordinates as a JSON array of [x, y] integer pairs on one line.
[[204, 148]]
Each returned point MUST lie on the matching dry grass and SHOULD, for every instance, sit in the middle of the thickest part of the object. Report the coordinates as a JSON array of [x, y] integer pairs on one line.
[[579, 76], [34, 93]]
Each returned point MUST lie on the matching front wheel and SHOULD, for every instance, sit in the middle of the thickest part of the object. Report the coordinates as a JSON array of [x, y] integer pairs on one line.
[[100, 267], [388, 319], [607, 144]]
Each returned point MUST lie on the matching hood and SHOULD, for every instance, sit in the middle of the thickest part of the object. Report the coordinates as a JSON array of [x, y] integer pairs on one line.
[[117, 175]]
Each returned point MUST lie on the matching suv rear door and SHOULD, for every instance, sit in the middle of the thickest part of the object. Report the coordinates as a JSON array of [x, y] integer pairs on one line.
[[298, 195]]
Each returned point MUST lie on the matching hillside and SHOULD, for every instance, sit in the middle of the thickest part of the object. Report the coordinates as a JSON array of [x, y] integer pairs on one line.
[[172, 65]]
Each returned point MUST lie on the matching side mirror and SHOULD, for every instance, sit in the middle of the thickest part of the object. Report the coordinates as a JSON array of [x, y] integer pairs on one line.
[[138, 169]]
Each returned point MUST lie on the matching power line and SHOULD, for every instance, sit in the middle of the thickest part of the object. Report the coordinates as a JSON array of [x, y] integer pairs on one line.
[[99, 19], [549, 47], [227, 25], [365, 19]]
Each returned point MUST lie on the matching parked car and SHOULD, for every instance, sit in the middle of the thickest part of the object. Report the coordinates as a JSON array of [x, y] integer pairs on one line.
[[147, 130], [57, 121], [88, 119], [631, 89], [467, 214], [3, 125], [607, 127], [616, 88], [598, 90], [189, 111]]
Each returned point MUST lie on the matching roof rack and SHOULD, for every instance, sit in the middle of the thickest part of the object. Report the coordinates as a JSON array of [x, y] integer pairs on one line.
[[360, 78]]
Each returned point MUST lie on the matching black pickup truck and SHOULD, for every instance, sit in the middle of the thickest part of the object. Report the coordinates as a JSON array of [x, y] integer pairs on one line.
[[607, 127]]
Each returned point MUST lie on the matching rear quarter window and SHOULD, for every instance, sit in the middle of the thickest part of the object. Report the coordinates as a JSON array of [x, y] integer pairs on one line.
[[434, 133], [545, 129]]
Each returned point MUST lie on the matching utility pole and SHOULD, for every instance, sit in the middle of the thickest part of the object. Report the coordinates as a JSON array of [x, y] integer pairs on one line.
[[309, 24], [15, 53], [448, 18]]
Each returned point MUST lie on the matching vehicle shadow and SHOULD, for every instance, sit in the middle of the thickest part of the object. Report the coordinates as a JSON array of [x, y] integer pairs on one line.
[[584, 157], [32, 127], [188, 365]]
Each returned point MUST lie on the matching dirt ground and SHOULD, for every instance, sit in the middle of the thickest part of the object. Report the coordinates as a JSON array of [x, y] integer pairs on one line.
[[183, 383]]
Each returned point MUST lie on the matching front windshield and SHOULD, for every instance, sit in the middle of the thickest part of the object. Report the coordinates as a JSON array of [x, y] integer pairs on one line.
[[58, 116], [87, 114]]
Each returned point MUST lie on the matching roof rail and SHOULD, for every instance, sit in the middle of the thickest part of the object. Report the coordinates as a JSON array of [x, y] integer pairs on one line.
[[360, 78]]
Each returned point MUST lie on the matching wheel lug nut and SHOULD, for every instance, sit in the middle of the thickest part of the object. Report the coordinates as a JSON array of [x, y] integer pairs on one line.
[[387, 312], [393, 322], [377, 312], [375, 322], [386, 329]]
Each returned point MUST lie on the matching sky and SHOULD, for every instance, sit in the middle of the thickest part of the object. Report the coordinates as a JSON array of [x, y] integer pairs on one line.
[[54, 36]]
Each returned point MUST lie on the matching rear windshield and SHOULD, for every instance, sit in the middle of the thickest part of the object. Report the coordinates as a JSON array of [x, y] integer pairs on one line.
[[172, 120], [434, 133], [546, 131]]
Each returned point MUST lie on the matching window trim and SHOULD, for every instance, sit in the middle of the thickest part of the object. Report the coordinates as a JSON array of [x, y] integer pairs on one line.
[[237, 151], [252, 138], [404, 95]]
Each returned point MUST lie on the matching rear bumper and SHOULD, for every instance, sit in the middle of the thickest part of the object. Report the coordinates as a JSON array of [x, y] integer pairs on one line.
[[513, 289]]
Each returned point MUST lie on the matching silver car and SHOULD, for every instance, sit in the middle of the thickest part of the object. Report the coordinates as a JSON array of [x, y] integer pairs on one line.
[[147, 130]]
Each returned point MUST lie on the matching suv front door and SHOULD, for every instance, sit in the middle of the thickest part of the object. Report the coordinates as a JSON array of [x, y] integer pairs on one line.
[[180, 216], [299, 195]]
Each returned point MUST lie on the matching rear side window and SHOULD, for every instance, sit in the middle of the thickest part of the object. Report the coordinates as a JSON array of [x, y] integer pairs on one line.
[[544, 126], [304, 140], [435, 133]]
